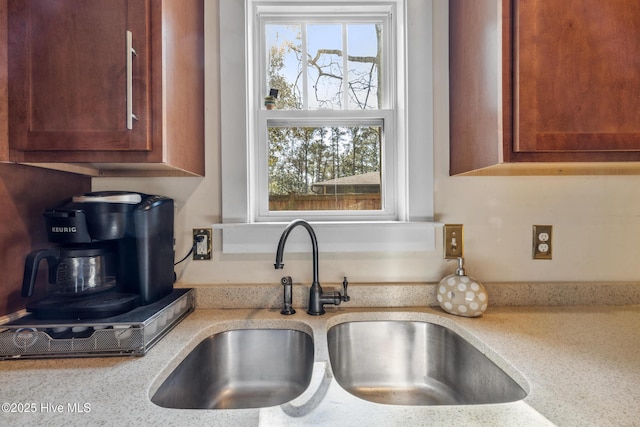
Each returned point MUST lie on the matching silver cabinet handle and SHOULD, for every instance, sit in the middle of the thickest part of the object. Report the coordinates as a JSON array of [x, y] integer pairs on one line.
[[131, 52]]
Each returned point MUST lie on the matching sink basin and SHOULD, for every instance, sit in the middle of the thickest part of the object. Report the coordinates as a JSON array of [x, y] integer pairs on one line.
[[415, 363], [243, 368]]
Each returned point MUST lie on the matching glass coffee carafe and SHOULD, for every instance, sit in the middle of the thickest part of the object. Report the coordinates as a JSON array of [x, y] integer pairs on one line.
[[73, 270]]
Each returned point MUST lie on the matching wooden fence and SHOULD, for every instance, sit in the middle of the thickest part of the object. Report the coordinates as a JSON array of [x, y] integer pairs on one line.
[[321, 202]]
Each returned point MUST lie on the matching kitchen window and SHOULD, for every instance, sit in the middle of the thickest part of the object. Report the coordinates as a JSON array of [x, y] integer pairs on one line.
[[327, 116]]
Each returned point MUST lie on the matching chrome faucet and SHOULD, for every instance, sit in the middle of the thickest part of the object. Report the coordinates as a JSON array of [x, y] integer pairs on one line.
[[317, 298]]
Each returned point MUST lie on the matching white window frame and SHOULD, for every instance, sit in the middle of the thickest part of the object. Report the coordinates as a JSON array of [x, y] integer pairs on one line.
[[411, 226]]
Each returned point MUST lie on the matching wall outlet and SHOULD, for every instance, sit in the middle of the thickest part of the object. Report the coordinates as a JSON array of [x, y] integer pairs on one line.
[[453, 241], [542, 241], [203, 243]]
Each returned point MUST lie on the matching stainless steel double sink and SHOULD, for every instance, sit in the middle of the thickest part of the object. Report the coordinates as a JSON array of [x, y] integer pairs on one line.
[[385, 362]]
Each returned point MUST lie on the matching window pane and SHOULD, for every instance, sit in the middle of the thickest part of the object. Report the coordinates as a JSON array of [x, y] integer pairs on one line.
[[365, 54], [284, 64], [306, 64], [325, 168], [324, 66]]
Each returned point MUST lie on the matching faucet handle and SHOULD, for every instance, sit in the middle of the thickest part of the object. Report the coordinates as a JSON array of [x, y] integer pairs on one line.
[[345, 297]]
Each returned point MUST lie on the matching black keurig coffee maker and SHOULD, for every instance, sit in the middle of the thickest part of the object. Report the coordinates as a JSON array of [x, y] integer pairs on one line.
[[114, 253]]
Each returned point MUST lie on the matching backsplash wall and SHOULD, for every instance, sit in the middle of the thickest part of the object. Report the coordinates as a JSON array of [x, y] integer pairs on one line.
[[596, 219]]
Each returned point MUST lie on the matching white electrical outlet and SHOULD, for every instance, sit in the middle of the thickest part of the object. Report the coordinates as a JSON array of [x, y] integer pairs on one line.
[[202, 245]]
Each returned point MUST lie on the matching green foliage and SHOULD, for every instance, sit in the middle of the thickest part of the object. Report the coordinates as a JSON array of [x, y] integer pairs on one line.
[[302, 156]]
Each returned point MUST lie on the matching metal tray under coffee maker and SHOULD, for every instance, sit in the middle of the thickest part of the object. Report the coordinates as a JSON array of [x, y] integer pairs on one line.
[[129, 334]]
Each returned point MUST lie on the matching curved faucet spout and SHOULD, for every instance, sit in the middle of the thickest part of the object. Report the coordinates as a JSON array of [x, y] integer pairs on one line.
[[314, 244], [317, 298]]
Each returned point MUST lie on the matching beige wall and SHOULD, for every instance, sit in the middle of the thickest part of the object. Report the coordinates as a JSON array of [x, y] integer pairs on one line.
[[596, 219]]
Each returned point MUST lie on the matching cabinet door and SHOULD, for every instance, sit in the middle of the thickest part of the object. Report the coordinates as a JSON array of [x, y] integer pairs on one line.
[[577, 79], [68, 75]]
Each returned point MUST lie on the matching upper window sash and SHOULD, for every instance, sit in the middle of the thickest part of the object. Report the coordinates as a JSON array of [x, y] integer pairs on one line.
[[385, 86], [354, 11]]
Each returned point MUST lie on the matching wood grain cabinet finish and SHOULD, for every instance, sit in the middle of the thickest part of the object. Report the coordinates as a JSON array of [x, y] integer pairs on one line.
[[545, 82], [69, 65]]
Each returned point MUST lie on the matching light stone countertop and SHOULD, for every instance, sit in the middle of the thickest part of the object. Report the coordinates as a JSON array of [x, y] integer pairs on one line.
[[579, 364]]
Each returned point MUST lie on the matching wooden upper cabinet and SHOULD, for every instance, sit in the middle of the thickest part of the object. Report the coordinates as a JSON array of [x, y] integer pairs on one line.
[[112, 85], [578, 75], [538, 83], [72, 58]]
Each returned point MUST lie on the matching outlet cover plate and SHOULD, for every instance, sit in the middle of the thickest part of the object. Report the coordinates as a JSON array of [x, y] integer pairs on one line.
[[453, 241], [542, 248], [202, 250]]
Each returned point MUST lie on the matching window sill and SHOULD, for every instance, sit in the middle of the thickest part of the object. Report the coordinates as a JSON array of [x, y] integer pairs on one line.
[[336, 237]]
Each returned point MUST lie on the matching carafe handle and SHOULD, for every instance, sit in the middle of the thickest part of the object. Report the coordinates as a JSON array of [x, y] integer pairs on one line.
[[52, 255]]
